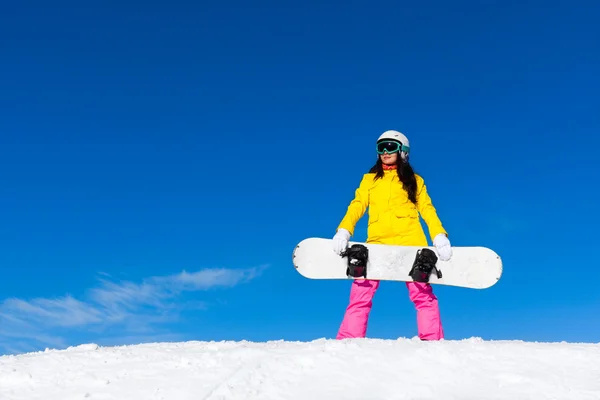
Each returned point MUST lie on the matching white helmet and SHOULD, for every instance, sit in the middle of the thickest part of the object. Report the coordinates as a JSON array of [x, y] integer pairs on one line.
[[398, 137]]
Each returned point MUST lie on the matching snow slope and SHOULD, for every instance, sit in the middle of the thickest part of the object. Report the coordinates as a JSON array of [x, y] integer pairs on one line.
[[324, 369]]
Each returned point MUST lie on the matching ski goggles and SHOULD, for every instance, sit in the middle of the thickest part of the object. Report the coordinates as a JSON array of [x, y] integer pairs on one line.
[[390, 147]]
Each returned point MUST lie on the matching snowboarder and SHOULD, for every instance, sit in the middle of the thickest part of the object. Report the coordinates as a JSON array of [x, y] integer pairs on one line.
[[395, 196]]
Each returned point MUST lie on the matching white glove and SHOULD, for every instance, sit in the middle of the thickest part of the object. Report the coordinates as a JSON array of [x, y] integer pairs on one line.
[[442, 245], [340, 240]]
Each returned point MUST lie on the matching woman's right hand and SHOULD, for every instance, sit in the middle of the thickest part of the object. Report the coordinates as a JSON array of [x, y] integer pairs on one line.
[[340, 241]]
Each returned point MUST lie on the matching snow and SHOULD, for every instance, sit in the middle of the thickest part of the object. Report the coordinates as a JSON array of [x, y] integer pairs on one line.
[[470, 369]]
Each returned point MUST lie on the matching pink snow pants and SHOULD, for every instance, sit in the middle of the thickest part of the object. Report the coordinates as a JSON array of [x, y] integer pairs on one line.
[[355, 320]]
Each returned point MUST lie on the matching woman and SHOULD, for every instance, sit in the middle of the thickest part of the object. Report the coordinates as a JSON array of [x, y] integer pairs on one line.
[[395, 196]]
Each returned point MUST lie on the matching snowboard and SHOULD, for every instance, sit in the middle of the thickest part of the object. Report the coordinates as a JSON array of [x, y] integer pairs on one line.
[[469, 267]]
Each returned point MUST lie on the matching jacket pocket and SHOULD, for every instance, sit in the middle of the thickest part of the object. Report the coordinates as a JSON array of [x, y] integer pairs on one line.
[[406, 212], [373, 217]]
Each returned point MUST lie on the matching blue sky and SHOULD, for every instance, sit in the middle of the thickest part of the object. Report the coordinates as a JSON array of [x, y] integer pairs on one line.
[[160, 162]]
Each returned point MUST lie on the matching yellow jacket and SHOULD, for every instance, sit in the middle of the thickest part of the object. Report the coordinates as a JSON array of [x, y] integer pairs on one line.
[[393, 218]]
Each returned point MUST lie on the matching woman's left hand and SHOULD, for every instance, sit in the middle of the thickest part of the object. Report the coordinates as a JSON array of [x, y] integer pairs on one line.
[[443, 247]]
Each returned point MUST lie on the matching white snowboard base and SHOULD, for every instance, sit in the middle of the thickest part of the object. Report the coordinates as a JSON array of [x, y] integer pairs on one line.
[[469, 267]]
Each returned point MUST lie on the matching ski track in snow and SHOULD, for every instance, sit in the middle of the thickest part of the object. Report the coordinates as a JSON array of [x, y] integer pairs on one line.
[[403, 369]]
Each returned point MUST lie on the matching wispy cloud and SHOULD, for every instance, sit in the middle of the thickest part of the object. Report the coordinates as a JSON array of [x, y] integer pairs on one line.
[[65, 311], [137, 307]]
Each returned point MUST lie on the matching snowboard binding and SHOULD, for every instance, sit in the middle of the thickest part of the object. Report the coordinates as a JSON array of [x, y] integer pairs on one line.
[[358, 256], [423, 265]]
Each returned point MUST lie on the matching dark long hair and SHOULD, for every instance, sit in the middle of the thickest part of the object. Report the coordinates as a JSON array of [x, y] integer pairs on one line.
[[406, 174]]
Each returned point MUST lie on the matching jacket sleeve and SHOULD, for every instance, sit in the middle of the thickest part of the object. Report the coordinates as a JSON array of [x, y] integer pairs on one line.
[[357, 207], [428, 211]]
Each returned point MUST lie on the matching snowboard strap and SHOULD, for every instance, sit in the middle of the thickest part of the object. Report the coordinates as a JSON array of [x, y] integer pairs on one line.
[[423, 265], [358, 256]]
